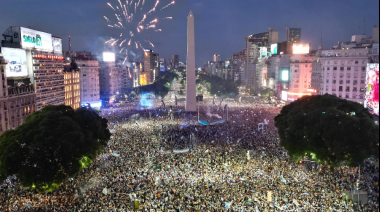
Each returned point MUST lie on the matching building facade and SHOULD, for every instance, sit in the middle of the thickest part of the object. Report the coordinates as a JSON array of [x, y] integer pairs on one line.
[[300, 76], [72, 87], [16, 101], [89, 80], [344, 73], [151, 67], [293, 35], [48, 79]]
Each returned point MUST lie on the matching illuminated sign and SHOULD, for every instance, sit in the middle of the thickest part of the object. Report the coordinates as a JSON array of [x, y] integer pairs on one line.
[[273, 49], [53, 57], [302, 48], [263, 51], [16, 62], [285, 76], [162, 67], [32, 39], [143, 80], [284, 96], [372, 89], [108, 57], [57, 45]]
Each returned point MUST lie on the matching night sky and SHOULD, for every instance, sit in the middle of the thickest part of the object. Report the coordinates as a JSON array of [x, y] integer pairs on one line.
[[220, 25]]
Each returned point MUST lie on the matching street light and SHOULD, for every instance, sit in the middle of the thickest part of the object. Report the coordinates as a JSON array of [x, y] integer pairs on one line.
[[357, 184]]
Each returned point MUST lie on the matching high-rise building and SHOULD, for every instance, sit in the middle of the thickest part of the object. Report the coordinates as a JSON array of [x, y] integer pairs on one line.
[[217, 57], [48, 79], [43, 63], [300, 76], [316, 76], [112, 79], [90, 84], [343, 73], [293, 35], [151, 67], [72, 86], [257, 46], [17, 99], [175, 61], [137, 69], [375, 34]]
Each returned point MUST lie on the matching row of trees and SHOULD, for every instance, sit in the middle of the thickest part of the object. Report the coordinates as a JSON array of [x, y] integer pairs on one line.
[[218, 86]]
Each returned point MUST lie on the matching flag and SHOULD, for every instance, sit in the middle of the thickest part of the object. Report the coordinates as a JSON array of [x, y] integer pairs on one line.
[[181, 151], [201, 122], [228, 205]]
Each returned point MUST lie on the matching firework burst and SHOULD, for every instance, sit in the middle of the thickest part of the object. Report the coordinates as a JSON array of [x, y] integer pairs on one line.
[[126, 18]]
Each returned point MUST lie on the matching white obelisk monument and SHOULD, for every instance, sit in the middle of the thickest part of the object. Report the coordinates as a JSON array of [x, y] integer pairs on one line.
[[191, 92]]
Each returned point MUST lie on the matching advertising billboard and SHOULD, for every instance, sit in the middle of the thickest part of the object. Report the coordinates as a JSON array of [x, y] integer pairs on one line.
[[32, 39], [285, 75], [263, 51], [57, 45], [16, 62], [284, 96], [162, 68], [108, 57], [372, 89], [301, 48], [274, 49]]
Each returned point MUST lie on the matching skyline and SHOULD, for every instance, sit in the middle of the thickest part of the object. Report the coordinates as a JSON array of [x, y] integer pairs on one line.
[[219, 27]]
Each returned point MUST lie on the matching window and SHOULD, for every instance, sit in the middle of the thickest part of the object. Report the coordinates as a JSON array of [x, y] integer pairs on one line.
[[347, 96], [334, 81], [341, 82], [342, 68], [355, 82], [362, 81], [340, 88], [348, 88], [364, 69], [348, 68], [348, 81], [335, 68], [356, 62], [362, 90], [355, 89]]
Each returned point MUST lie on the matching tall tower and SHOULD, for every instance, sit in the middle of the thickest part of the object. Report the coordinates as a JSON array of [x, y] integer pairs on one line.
[[191, 103]]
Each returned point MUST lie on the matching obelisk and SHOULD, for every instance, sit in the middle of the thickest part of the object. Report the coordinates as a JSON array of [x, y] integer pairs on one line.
[[191, 103]]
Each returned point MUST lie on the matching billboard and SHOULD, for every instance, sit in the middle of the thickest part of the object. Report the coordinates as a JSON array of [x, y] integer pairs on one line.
[[274, 49], [301, 48], [16, 62], [372, 89], [108, 57], [57, 45], [263, 51], [285, 75], [284, 96], [162, 68], [32, 39]]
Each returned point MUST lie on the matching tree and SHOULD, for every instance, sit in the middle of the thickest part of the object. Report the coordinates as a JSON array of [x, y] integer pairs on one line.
[[52, 145], [267, 92], [333, 130], [218, 86]]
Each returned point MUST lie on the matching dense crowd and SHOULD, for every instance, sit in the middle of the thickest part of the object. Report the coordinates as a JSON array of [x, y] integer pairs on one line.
[[232, 166]]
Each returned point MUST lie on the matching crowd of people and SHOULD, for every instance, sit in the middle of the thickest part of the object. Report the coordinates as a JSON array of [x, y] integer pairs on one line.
[[161, 157]]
